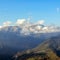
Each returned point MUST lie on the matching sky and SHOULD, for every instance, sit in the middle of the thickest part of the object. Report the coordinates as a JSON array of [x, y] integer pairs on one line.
[[47, 10]]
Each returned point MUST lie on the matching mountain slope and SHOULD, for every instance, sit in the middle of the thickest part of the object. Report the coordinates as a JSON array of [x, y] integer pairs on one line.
[[48, 50]]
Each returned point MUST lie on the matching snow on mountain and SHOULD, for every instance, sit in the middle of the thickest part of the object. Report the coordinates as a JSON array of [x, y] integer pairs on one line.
[[25, 27]]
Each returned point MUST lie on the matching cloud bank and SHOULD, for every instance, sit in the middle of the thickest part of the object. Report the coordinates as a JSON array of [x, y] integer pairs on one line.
[[26, 27]]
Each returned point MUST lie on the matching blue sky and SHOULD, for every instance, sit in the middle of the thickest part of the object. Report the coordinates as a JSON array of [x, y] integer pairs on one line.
[[47, 10]]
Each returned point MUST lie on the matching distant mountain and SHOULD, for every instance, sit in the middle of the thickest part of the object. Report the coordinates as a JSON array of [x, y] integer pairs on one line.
[[13, 39], [48, 50]]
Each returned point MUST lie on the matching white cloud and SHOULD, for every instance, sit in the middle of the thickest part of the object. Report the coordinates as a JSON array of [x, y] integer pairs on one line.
[[38, 27], [0, 26], [7, 23], [20, 21], [27, 27], [40, 22], [45, 28]]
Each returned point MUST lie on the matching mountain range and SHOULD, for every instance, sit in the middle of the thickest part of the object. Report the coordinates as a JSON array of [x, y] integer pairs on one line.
[[14, 39]]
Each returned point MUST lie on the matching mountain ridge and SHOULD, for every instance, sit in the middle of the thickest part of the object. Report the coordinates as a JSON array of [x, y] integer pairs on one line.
[[51, 49]]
